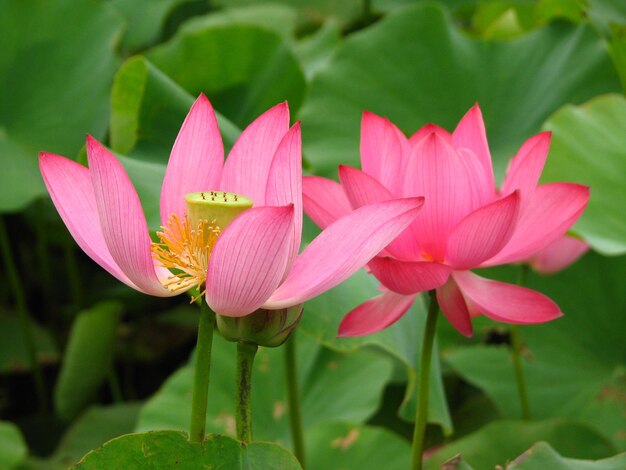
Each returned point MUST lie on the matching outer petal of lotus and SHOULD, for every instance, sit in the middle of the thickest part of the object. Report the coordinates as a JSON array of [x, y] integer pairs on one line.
[[409, 277], [550, 212], [558, 255], [381, 151], [324, 200], [70, 188], [247, 167], [343, 248], [454, 307], [196, 160], [375, 315], [505, 302], [122, 220], [248, 260]]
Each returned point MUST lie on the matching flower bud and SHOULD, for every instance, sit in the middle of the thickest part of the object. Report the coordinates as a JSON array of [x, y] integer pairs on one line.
[[269, 328]]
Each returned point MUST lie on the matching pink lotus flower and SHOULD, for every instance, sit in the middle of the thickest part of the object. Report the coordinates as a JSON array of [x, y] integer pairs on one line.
[[251, 263], [558, 255], [465, 223]]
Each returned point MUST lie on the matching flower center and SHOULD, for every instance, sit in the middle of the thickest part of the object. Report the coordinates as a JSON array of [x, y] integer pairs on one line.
[[186, 242]]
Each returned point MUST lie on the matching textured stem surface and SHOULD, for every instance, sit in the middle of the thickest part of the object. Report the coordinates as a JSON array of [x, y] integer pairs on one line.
[[245, 359], [202, 371], [423, 380], [293, 400]]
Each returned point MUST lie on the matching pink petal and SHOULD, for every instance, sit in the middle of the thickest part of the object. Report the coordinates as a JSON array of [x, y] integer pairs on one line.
[[482, 189], [196, 159], [376, 314], [324, 200], [426, 130], [558, 255], [381, 150], [248, 164], [470, 133], [550, 211], [284, 184], [437, 172], [342, 248], [122, 220], [409, 277], [454, 308], [249, 259], [362, 190], [525, 169], [70, 188], [506, 302], [483, 233]]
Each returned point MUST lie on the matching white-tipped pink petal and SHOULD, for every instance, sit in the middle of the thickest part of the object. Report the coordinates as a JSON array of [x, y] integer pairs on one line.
[[483, 233], [426, 130], [409, 277], [558, 255], [70, 188], [549, 212], [248, 260], [122, 220], [506, 302], [324, 200], [248, 164], [454, 308], [362, 190], [342, 248], [381, 150], [526, 167], [436, 172], [470, 133], [375, 315], [284, 184], [196, 159]]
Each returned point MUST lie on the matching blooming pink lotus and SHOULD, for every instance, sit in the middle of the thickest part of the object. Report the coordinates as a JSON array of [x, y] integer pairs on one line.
[[558, 255], [465, 223], [251, 263]]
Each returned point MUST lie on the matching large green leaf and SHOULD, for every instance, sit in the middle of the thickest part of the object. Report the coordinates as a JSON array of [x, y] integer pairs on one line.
[[415, 66], [402, 340], [541, 455], [13, 449], [575, 365], [88, 358], [328, 381], [589, 147], [355, 447], [244, 69], [169, 449], [501, 441], [55, 76]]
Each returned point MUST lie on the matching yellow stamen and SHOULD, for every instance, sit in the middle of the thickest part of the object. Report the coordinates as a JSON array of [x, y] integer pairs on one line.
[[186, 251]]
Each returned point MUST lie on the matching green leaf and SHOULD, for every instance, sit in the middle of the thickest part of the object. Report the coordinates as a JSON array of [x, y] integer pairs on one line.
[[55, 76], [242, 85], [541, 455], [589, 147], [415, 66], [327, 382], [617, 48], [88, 358], [574, 366], [355, 447], [13, 350], [93, 428], [168, 449], [403, 340], [13, 449], [501, 441]]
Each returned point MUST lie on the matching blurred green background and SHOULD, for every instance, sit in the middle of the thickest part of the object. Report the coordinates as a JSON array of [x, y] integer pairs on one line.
[[112, 361]]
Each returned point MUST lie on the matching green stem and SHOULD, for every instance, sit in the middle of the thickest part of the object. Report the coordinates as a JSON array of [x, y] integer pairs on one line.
[[293, 400], [516, 351], [202, 371], [245, 359], [424, 376], [23, 316]]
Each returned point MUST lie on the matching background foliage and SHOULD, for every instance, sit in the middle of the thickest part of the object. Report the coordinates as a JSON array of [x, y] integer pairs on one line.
[[115, 362]]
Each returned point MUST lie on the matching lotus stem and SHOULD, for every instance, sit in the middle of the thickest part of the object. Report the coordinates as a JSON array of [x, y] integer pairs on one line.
[[516, 352], [293, 400], [243, 417]]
